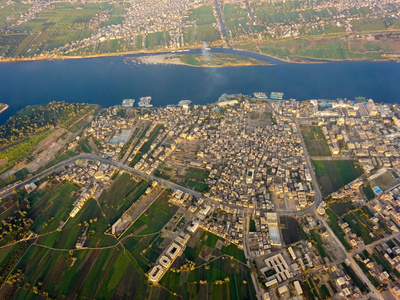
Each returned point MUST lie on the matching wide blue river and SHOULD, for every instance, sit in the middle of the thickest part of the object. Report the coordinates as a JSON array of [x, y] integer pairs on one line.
[[109, 80]]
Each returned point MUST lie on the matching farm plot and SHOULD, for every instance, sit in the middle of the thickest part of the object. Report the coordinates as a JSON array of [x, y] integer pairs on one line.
[[315, 141], [334, 174]]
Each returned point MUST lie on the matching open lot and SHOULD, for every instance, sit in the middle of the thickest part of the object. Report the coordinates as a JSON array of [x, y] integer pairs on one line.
[[385, 181], [315, 141], [291, 230], [334, 174]]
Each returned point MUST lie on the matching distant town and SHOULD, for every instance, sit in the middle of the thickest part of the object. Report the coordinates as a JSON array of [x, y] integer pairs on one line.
[[251, 197], [285, 29]]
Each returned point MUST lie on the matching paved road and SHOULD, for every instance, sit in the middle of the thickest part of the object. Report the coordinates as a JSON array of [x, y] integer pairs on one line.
[[8, 191], [353, 264], [248, 256], [318, 195], [372, 245]]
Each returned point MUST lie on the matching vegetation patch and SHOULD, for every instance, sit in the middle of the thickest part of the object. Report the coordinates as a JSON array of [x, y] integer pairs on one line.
[[358, 227], [334, 174], [337, 230], [315, 141], [35, 119]]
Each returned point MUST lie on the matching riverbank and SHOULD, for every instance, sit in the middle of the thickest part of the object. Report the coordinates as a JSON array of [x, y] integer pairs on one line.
[[291, 59], [138, 54]]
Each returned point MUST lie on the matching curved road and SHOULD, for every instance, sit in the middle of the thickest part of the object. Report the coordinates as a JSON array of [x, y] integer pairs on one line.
[[8, 191]]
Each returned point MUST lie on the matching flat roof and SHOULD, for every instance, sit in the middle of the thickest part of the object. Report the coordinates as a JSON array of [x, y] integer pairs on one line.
[[274, 235]]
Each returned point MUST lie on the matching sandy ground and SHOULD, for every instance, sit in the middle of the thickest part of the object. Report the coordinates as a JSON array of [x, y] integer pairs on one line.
[[164, 59], [46, 143], [47, 149]]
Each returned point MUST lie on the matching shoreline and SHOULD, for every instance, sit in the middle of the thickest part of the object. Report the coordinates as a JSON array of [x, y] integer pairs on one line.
[[302, 60], [175, 59], [6, 106]]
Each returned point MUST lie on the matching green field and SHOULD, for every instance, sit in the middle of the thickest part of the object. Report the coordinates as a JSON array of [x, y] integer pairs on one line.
[[318, 243], [201, 33], [155, 217], [201, 15], [11, 12], [319, 34], [54, 206], [359, 226], [361, 285], [315, 141], [320, 46], [236, 20], [157, 39], [334, 174], [202, 30], [222, 276], [340, 208], [366, 271], [21, 150], [125, 190], [94, 273], [55, 27], [337, 230], [106, 268], [369, 193], [195, 178], [146, 146]]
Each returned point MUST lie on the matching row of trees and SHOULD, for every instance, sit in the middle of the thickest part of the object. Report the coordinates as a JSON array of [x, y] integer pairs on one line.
[[16, 226]]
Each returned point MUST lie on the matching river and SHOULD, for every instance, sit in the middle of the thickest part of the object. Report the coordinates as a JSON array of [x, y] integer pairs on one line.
[[109, 80]]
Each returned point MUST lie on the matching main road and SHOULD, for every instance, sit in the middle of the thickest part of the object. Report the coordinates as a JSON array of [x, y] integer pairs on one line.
[[318, 195], [9, 190], [119, 165]]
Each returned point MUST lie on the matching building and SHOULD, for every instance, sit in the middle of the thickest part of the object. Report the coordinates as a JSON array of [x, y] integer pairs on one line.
[[165, 261], [276, 268], [192, 227], [371, 108], [173, 251], [156, 273], [272, 221], [298, 288], [291, 252]]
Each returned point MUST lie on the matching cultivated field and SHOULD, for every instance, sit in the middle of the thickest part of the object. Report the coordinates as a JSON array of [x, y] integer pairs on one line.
[[334, 174], [208, 270], [106, 267], [315, 141]]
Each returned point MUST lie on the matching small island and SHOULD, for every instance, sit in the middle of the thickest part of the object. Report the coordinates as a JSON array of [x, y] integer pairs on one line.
[[205, 59], [3, 107]]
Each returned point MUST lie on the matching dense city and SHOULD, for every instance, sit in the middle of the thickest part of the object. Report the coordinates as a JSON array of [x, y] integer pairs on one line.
[[301, 197]]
